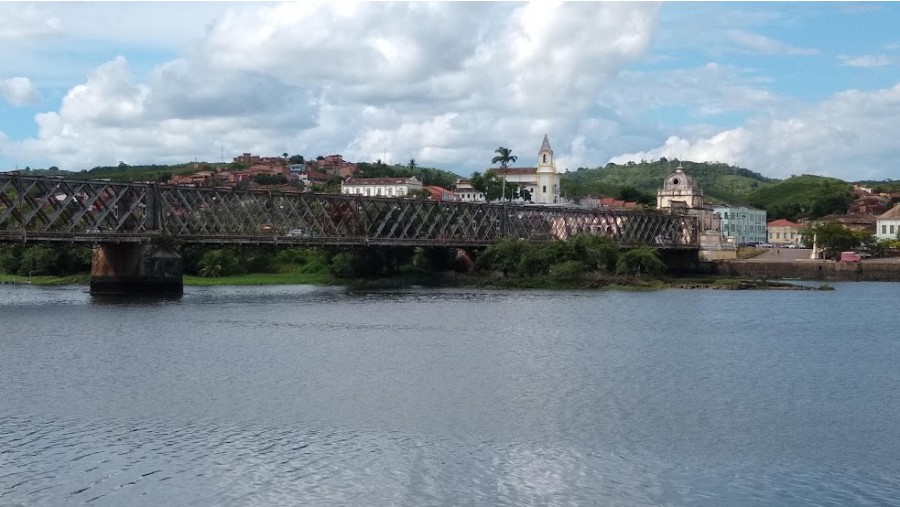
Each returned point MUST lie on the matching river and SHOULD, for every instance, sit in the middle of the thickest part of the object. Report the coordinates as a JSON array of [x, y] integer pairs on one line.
[[323, 396]]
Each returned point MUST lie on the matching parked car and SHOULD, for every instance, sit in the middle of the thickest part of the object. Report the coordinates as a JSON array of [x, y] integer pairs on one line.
[[850, 257], [298, 233]]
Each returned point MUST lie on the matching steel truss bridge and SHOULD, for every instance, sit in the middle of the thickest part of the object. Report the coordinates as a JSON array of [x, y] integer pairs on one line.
[[48, 209]]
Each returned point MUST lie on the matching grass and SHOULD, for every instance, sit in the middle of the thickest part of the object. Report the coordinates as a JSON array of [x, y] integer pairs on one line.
[[78, 279], [262, 279]]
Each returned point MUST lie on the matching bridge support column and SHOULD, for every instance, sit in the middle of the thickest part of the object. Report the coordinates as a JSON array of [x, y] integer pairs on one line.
[[130, 268], [681, 261]]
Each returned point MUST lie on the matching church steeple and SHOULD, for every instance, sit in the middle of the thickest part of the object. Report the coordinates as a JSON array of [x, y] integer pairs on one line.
[[545, 154], [545, 146]]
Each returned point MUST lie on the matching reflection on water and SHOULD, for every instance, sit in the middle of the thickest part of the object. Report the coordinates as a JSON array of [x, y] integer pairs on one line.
[[323, 396]]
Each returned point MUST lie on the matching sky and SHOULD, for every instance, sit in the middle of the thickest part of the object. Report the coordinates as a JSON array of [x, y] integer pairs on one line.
[[778, 88]]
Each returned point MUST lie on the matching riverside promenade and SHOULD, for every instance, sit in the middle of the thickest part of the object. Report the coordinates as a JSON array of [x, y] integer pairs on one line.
[[795, 263]]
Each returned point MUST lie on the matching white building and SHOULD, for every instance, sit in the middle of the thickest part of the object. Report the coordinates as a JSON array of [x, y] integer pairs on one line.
[[381, 187], [888, 224], [542, 182], [466, 192], [743, 225]]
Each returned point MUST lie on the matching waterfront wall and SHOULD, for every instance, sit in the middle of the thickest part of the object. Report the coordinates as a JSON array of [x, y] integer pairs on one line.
[[888, 271]]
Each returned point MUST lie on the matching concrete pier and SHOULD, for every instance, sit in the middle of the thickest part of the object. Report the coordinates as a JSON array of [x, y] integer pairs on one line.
[[135, 269]]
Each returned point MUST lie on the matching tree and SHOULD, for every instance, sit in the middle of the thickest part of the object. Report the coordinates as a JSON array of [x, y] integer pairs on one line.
[[488, 184], [834, 237], [412, 164], [284, 155], [504, 157], [296, 159]]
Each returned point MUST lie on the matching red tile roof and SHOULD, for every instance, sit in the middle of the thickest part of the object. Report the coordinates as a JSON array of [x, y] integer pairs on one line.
[[784, 223], [514, 170]]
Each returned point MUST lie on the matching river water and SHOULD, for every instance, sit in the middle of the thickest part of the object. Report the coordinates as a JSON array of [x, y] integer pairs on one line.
[[322, 396]]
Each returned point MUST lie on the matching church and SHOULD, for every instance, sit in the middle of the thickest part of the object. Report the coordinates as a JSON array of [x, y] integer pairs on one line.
[[542, 182]]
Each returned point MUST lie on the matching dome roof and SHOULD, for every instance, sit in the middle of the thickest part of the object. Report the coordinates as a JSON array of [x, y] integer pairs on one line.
[[679, 180]]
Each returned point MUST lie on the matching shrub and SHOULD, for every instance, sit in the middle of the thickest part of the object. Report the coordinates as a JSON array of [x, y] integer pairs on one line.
[[217, 263], [643, 260], [567, 271]]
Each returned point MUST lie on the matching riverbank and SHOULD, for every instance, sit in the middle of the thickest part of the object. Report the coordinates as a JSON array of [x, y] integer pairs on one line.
[[588, 282]]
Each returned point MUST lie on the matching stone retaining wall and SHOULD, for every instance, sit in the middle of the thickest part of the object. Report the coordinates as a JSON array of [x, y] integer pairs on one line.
[[812, 270]]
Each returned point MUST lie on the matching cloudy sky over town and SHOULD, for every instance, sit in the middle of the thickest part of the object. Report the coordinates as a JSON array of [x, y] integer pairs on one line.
[[778, 88]]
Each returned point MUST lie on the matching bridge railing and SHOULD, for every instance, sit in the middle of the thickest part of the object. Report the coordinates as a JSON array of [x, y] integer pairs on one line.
[[54, 209]]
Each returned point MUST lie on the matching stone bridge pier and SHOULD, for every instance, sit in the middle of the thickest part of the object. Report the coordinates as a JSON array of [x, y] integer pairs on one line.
[[135, 269]]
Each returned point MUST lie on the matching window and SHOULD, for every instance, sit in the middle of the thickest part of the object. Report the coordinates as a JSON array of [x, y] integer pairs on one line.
[[545, 191], [883, 229], [892, 229], [545, 158]]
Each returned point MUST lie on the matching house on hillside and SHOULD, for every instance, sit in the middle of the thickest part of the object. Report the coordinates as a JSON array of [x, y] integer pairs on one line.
[[312, 179], [380, 187], [334, 165], [888, 224], [784, 232], [869, 204]]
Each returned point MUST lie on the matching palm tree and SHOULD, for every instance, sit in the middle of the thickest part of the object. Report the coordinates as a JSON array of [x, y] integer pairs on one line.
[[412, 164], [504, 156]]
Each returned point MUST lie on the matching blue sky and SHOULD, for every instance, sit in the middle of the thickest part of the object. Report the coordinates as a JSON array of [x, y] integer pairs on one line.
[[778, 88]]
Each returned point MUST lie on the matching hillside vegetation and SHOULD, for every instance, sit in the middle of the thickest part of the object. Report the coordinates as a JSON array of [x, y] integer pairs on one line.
[[720, 182], [803, 196], [797, 197]]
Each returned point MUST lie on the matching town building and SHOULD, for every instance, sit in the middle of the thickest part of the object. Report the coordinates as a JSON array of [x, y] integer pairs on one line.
[[784, 232], [466, 192], [541, 182], [312, 179], [742, 225], [381, 187], [334, 165], [441, 194], [681, 194], [888, 224], [679, 191], [607, 202]]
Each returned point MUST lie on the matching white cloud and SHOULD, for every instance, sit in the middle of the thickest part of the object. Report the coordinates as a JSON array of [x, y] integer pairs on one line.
[[849, 135], [865, 61], [444, 83], [20, 22], [766, 45], [19, 91]]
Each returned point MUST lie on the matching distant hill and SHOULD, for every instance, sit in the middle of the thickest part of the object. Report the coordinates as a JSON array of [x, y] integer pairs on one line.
[[803, 196], [720, 182]]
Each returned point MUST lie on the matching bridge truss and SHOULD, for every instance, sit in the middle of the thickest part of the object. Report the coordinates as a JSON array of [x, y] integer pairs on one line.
[[46, 209]]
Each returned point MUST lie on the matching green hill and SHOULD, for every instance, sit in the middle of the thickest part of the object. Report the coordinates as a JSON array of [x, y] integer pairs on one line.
[[720, 182], [803, 196]]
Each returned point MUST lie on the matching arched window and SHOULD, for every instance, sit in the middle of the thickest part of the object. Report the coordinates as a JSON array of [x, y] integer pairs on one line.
[[545, 158]]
